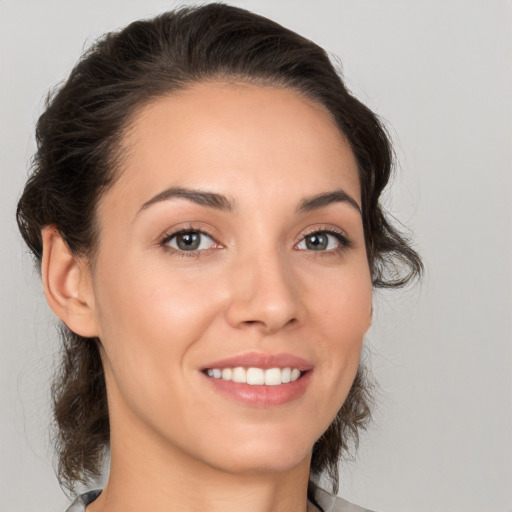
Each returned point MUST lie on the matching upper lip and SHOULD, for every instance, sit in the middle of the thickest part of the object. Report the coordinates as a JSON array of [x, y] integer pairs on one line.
[[261, 360]]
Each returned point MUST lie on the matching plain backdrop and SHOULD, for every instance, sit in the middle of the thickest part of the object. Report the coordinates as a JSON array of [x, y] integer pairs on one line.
[[439, 74]]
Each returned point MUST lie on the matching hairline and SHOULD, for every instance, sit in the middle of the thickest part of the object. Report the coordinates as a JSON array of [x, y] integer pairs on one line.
[[119, 148]]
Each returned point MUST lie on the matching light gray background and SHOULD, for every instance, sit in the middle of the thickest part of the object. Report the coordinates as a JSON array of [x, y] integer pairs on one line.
[[439, 72]]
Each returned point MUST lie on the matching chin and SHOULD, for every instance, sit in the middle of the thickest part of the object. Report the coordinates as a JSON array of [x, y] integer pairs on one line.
[[261, 452], [278, 461]]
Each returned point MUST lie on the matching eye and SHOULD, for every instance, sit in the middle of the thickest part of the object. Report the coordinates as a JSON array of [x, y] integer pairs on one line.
[[323, 241], [189, 241]]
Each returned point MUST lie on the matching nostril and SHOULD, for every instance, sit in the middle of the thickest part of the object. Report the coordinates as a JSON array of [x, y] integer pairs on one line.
[[267, 326], [291, 322]]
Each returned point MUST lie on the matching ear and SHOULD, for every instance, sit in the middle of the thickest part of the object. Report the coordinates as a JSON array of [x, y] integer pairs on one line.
[[67, 284], [370, 319]]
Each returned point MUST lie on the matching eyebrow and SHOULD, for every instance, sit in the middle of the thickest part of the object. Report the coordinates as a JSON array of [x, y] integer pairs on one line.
[[209, 199], [221, 202], [325, 199]]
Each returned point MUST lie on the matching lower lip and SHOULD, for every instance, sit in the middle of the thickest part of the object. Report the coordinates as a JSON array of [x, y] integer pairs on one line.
[[262, 396]]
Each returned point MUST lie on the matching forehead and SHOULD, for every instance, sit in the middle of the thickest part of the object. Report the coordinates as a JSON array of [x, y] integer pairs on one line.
[[235, 138]]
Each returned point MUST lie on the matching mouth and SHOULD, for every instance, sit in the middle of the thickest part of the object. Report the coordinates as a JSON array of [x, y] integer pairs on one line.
[[255, 376], [260, 380]]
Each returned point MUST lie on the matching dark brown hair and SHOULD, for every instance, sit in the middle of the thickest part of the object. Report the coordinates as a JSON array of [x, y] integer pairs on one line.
[[78, 138]]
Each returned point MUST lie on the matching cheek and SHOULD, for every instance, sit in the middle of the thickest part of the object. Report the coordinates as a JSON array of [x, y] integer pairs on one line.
[[147, 296], [342, 310], [349, 312], [152, 321], [149, 316], [342, 301]]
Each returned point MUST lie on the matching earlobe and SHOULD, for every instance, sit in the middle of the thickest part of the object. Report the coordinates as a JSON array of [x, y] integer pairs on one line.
[[67, 284]]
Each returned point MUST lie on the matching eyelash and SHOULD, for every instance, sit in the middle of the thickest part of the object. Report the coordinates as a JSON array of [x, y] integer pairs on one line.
[[186, 254], [344, 242]]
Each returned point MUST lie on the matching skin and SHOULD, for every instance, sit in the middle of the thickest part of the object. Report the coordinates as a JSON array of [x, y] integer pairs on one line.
[[163, 314]]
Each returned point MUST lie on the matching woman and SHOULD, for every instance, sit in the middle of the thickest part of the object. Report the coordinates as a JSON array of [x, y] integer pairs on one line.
[[204, 208]]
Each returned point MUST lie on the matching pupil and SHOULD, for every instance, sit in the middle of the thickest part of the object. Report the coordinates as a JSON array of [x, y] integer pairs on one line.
[[316, 242], [188, 241]]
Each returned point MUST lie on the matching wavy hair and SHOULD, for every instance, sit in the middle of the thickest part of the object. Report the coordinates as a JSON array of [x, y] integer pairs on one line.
[[78, 136]]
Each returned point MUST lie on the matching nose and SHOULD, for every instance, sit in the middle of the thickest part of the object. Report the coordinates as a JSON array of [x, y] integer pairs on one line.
[[265, 295]]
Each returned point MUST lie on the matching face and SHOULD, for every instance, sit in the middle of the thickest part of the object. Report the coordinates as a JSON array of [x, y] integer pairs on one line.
[[231, 248]]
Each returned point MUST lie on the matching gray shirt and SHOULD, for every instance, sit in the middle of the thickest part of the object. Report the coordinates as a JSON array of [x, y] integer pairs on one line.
[[328, 502]]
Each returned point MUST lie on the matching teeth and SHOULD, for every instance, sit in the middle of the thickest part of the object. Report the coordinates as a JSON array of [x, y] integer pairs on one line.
[[295, 374], [256, 376], [239, 375], [273, 377]]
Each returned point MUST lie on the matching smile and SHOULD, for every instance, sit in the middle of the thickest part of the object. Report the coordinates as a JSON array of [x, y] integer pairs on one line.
[[259, 379], [256, 376]]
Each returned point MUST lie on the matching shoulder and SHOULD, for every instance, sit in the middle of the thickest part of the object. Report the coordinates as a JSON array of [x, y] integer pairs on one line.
[[83, 500], [331, 503]]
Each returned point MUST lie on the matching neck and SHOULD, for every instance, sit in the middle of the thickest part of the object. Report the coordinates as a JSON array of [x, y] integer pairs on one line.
[[148, 474], [173, 487]]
